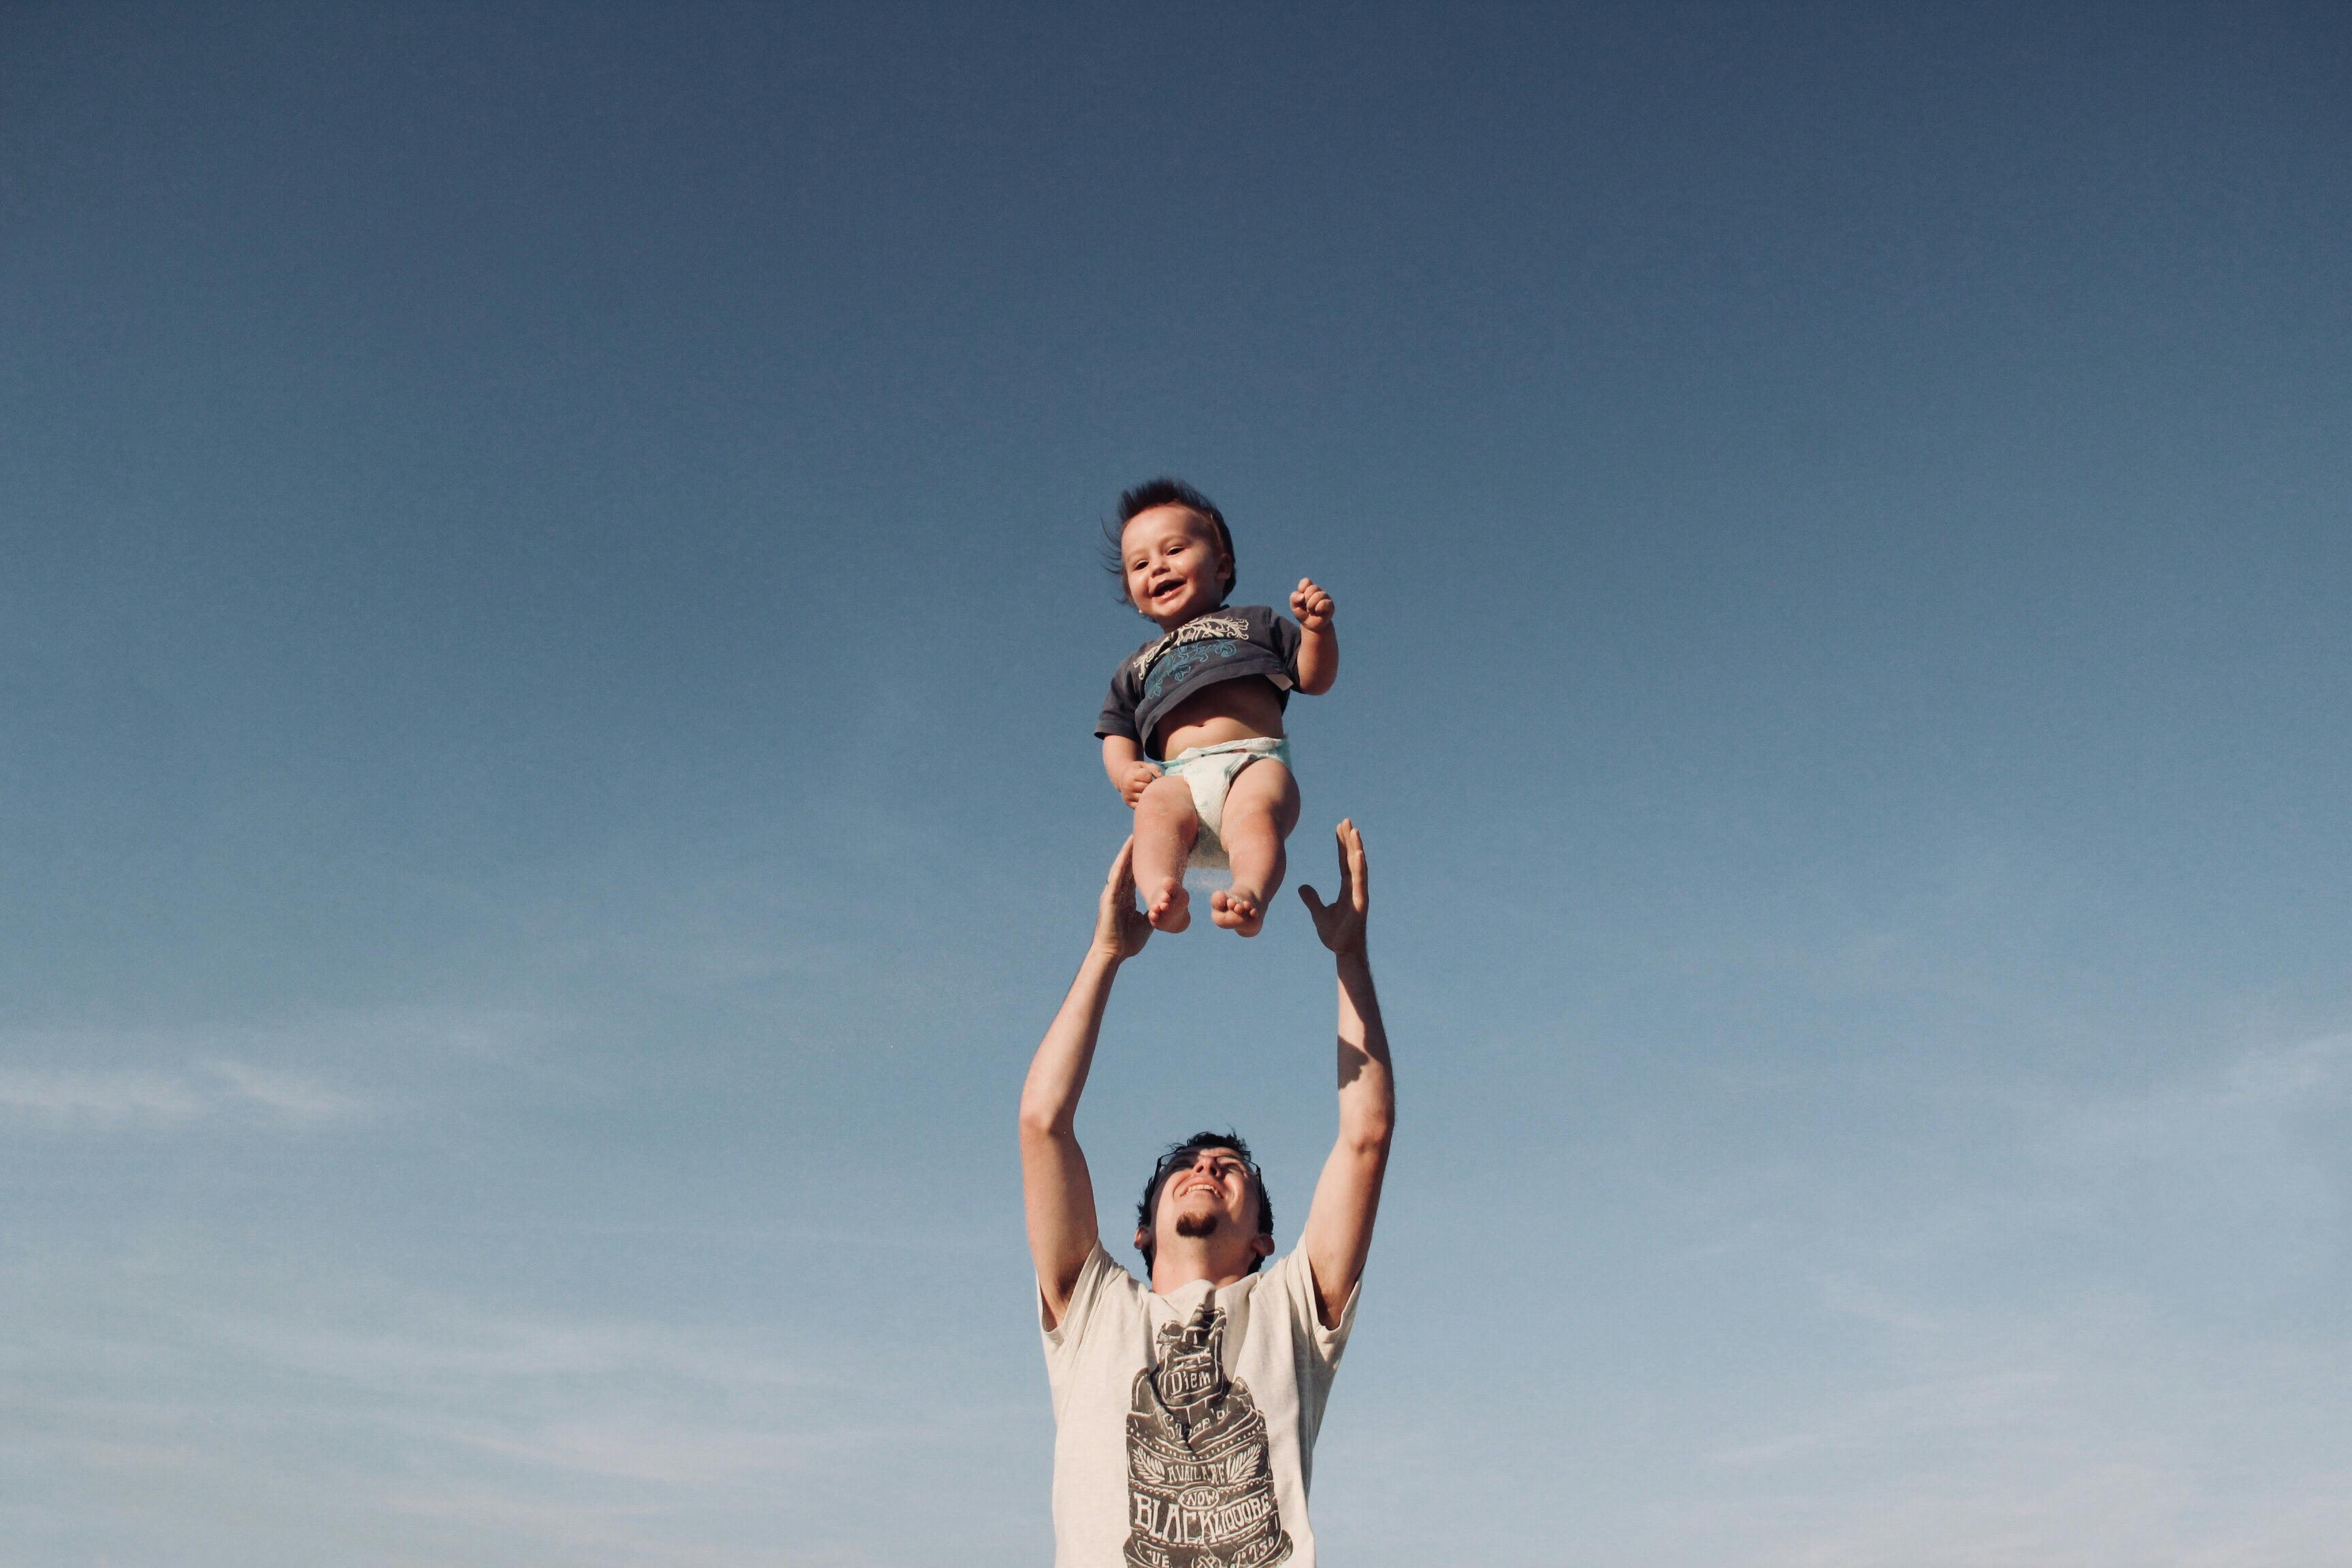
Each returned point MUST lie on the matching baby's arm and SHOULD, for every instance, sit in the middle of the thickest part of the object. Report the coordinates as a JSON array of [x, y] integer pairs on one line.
[[1130, 773], [1319, 645]]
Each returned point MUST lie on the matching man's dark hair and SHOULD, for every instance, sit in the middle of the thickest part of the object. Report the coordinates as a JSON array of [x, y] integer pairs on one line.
[[1180, 1157], [1164, 491]]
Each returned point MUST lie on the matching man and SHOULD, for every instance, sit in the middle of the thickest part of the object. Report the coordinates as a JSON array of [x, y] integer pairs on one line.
[[1186, 1412]]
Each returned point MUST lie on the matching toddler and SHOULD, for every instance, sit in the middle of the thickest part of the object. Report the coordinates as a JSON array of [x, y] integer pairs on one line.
[[1192, 736]]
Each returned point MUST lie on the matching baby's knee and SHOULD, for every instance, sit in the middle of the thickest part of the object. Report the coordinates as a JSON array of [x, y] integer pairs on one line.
[[1168, 795], [1257, 819], [1265, 787]]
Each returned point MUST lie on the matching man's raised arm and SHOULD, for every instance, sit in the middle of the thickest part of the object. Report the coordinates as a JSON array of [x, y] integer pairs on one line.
[[1055, 1188], [1339, 1234]]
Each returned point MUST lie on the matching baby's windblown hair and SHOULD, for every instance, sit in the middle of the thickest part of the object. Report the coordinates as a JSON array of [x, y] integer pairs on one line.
[[1165, 491]]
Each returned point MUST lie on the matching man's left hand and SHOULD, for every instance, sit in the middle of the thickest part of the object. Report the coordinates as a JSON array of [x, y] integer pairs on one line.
[[1340, 923]]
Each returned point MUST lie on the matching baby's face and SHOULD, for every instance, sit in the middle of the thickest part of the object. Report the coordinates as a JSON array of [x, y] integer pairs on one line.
[[1174, 569]]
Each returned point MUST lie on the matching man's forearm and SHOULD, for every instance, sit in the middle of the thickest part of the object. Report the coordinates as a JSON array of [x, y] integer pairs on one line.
[[1057, 1074], [1056, 1192], [1367, 1089]]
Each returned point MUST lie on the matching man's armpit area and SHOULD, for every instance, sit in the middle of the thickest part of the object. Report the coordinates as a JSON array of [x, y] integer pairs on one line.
[[1083, 1289], [1330, 1328]]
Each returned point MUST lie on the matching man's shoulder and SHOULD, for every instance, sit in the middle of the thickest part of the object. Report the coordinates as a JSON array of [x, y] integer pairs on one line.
[[1102, 1270], [1291, 1275], [1102, 1285]]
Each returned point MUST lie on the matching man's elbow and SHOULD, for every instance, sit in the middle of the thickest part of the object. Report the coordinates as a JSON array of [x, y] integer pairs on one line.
[[1043, 1119], [1368, 1136]]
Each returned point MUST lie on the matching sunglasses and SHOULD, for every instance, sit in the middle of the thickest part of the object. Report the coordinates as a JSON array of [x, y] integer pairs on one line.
[[1223, 1162]]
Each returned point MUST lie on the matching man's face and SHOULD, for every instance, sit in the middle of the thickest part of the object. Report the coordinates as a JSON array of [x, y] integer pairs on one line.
[[1213, 1196], [1171, 564]]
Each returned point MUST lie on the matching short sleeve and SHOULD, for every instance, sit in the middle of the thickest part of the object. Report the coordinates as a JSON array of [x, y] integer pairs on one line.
[[1102, 1289], [1085, 1292], [1296, 1277], [1286, 637], [1118, 710]]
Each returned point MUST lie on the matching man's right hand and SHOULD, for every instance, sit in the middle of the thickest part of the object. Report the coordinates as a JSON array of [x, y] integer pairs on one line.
[[1121, 928], [1135, 781]]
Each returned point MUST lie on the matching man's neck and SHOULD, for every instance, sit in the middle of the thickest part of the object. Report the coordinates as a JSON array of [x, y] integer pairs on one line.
[[1172, 1269]]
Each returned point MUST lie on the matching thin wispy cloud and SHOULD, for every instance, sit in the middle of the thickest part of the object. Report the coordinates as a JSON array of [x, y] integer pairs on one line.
[[2256, 1134], [438, 1342], [215, 1091], [2257, 1092], [2098, 1432], [304, 1073], [610, 1439], [100, 1099], [2113, 1414]]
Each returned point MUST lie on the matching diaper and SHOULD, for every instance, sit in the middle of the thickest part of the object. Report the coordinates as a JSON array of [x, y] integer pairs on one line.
[[1209, 771]]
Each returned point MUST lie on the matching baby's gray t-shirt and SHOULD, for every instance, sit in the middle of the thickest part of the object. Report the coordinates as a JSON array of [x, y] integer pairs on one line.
[[1224, 644]]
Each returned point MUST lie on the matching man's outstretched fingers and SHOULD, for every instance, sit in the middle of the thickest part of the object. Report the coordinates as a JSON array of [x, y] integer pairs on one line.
[[1347, 894], [1351, 845], [1119, 924], [1118, 887]]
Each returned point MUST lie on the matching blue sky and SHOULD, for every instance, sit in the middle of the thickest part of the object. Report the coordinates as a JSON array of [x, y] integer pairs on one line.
[[552, 621]]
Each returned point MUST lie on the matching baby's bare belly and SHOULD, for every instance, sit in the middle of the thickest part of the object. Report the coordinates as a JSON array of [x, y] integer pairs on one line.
[[1239, 710]]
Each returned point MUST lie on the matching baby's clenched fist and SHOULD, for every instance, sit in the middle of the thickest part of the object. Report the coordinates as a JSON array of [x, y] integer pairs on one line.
[[1138, 779], [1311, 605]]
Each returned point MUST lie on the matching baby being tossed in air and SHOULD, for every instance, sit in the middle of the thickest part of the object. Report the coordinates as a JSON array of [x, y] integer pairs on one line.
[[1192, 733]]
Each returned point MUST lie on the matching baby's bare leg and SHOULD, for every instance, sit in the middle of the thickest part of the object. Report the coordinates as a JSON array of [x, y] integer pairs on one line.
[[1260, 811], [1165, 826]]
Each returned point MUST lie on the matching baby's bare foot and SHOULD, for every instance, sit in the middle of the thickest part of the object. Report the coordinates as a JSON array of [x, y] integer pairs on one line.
[[1237, 909], [1171, 908]]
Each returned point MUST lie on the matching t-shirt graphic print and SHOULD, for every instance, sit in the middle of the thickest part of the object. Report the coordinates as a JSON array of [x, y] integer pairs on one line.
[[1185, 1425], [1200, 1489]]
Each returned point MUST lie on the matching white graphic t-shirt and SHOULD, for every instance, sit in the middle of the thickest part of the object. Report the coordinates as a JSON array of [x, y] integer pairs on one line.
[[1184, 1424]]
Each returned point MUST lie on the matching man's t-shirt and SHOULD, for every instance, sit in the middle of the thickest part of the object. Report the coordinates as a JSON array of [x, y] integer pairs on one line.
[[1224, 644], [1184, 1424]]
